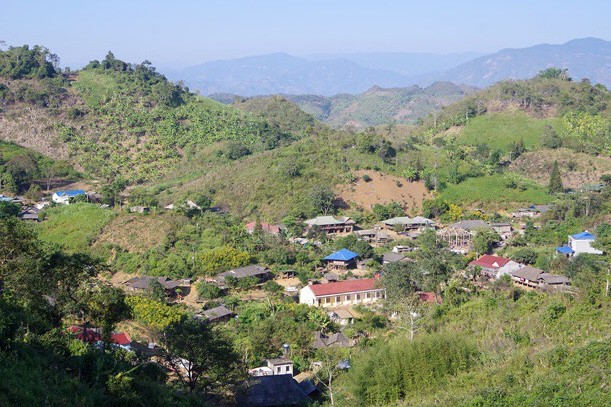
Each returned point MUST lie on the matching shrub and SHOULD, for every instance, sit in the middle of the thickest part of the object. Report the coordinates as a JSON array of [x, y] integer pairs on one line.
[[207, 291]]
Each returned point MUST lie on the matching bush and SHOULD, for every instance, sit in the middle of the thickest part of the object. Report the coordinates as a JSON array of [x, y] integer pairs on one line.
[[366, 178], [207, 291]]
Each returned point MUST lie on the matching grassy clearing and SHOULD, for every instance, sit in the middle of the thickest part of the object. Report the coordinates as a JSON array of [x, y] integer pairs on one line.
[[95, 88], [493, 189], [74, 227], [499, 130]]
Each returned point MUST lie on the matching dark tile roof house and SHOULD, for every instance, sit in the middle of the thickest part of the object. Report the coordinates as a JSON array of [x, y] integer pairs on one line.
[[338, 340], [471, 225], [217, 313], [265, 227], [262, 273], [144, 282], [269, 391], [392, 257], [534, 277]]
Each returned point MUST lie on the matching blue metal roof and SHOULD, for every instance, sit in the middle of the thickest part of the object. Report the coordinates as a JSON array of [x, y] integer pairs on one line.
[[72, 192], [564, 250], [342, 255], [583, 236]]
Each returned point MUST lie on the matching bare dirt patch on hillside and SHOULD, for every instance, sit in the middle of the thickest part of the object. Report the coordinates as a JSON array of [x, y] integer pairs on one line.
[[576, 168], [135, 233], [384, 189]]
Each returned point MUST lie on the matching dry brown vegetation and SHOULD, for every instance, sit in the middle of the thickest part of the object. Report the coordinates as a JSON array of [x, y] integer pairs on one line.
[[384, 189], [576, 168]]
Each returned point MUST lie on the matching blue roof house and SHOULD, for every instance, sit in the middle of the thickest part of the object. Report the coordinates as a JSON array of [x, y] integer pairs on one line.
[[63, 197], [579, 243], [341, 259]]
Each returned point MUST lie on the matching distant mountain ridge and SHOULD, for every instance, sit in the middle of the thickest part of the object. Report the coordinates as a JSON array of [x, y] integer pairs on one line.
[[584, 58], [281, 73]]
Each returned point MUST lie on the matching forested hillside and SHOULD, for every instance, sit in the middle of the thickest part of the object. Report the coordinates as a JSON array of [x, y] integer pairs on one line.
[[119, 120]]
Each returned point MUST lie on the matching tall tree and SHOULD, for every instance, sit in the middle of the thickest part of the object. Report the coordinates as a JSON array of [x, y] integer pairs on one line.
[[202, 359], [555, 180]]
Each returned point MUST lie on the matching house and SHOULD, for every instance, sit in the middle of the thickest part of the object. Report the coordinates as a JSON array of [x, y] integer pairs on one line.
[[372, 235], [143, 283], [392, 258], [139, 209], [578, 244], [15, 200], [30, 214], [342, 316], [330, 277], [598, 188], [495, 266], [403, 249], [341, 293], [429, 297], [536, 278], [533, 211], [218, 314], [341, 259], [265, 227], [261, 273], [457, 239], [471, 225], [336, 340], [272, 391], [64, 197], [504, 229], [94, 336], [407, 223], [329, 224]]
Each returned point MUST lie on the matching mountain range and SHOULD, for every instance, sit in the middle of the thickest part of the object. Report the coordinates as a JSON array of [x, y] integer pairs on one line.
[[329, 75]]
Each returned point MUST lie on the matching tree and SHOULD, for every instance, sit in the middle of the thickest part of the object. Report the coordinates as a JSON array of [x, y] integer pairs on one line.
[[398, 279], [484, 241], [555, 180], [554, 73], [157, 291], [388, 211], [322, 200], [525, 255], [331, 364], [550, 138], [200, 358], [272, 287], [207, 291], [8, 210]]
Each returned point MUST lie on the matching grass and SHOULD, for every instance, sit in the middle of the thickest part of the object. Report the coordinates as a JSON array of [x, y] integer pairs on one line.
[[499, 130], [74, 227], [95, 88], [493, 189]]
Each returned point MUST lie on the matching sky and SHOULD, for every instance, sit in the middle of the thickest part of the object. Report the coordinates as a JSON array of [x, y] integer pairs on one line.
[[182, 33]]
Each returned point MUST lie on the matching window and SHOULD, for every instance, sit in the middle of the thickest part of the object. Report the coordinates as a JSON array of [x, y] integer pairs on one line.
[[357, 297], [327, 300], [367, 295], [348, 297], [287, 368], [338, 299], [279, 370]]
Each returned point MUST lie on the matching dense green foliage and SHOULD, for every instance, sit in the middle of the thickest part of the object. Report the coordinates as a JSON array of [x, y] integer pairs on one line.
[[23, 62]]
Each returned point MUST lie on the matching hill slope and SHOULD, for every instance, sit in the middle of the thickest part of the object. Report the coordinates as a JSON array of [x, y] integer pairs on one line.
[[584, 58], [378, 105]]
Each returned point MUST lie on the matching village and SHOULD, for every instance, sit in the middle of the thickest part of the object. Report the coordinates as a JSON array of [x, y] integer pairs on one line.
[[345, 284]]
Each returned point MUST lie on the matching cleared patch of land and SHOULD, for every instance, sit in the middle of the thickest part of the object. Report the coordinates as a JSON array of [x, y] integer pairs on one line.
[[135, 233], [500, 130], [384, 189], [576, 168]]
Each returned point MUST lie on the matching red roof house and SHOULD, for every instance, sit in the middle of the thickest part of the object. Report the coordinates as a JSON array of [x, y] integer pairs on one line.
[[495, 266], [342, 292]]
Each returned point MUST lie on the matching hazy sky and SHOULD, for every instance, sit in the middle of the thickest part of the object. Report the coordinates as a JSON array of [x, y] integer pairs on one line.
[[179, 33]]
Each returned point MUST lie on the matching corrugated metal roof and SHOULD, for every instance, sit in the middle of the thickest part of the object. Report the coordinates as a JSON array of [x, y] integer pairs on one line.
[[584, 236], [564, 250], [342, 255]]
